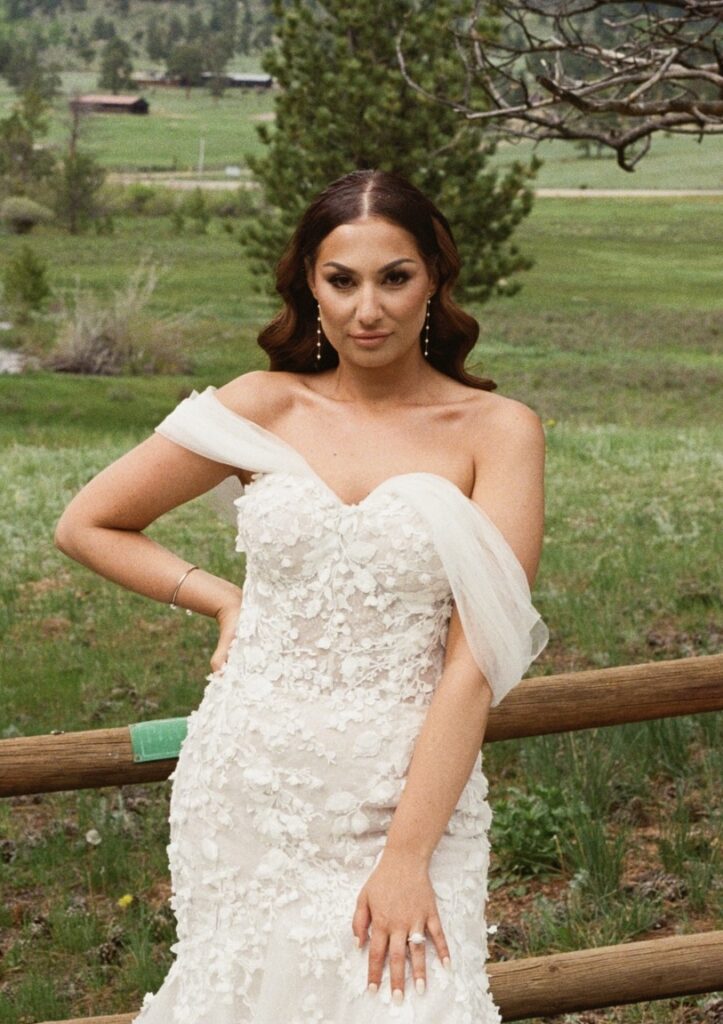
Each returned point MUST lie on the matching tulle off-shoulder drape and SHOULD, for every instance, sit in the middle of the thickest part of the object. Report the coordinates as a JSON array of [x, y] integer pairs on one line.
[[503, 629]]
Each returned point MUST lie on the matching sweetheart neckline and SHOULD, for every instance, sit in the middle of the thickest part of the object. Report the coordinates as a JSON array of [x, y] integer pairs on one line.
[[339, 500]]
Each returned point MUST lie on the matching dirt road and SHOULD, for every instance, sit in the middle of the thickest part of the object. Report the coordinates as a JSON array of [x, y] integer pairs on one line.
[[177, 181]]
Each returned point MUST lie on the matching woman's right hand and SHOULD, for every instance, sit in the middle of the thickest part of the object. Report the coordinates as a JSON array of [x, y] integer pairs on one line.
[[227, 618]]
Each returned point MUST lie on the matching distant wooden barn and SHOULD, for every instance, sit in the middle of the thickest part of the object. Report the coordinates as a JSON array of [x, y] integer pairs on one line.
[[110, 104], [235, 80], [151, 79]]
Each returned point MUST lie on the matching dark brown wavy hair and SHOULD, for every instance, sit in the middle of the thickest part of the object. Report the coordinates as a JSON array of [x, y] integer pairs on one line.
[[290, 338]]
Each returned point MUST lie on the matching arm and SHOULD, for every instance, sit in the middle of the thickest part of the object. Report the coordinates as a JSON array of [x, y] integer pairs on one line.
[[398, 895], [102, 528]]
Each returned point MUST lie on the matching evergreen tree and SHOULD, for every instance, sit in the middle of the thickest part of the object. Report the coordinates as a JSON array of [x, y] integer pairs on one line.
[[24, 163], [195, 27], [103, 29], [26, 69], [246, 29], [187, 62], [116, 66], [265, 24], [77, 181], [25, 283], [76, 185], [155, 40], [344, 105], [174, 33]]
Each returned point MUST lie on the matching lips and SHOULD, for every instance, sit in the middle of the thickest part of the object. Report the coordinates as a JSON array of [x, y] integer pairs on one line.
[[369, 341]]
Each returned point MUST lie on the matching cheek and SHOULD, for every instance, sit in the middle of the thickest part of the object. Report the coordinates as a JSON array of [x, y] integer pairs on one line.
[[334, 304], [411, 307]]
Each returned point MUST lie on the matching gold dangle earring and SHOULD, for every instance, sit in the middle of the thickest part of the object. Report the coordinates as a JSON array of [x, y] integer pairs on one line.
[[318, 333], [426, 330]]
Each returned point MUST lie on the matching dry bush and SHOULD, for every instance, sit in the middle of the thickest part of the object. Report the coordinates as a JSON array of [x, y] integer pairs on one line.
[[117, 336]]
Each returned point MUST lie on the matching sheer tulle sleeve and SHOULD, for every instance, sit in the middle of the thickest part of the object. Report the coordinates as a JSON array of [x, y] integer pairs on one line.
[[504, 630], [204, 425]]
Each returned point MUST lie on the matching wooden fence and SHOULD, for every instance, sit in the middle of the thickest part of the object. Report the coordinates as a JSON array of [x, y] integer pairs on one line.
[[537, 986]]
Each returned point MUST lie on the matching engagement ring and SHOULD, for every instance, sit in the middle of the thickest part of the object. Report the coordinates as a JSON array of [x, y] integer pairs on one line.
[[416, 937]]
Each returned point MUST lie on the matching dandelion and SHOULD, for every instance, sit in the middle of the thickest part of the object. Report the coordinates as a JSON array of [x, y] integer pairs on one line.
[[93, 837], [125, 901]]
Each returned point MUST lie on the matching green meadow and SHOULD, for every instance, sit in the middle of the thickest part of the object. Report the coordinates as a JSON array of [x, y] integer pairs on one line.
[[599, 837], [169, 138]]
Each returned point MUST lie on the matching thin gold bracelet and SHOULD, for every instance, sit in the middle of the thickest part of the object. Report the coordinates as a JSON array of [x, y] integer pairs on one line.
[[173, 604]]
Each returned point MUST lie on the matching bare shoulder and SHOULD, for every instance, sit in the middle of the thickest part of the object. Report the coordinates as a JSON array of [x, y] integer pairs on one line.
[[500, 418], [259, 395]]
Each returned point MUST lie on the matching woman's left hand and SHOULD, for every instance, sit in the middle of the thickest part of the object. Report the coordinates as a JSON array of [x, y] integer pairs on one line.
[[398, 900]]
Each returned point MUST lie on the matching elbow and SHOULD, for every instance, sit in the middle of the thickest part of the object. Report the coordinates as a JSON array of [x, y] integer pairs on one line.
[[67, 535], [62, 536]]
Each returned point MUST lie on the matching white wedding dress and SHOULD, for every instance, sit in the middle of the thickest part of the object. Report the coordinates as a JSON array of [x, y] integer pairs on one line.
[[296, 758]]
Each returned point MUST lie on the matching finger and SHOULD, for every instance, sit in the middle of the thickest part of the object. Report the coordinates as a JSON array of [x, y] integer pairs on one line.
[[360, 922], [220, 655], [418, 956], [377, 955], [397, 964], [218, 659], [434, 927]]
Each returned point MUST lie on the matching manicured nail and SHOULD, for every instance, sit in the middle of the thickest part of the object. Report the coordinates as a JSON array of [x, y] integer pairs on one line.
[[446, 963], [397, 996], [372, 987], [358, 941], [420, 986]]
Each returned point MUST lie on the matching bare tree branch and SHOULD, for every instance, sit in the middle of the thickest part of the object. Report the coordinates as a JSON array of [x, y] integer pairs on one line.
[[601, 71]]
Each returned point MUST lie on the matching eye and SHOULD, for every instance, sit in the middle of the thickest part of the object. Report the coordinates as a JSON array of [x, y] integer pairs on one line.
[[397, 277], [340, 281]]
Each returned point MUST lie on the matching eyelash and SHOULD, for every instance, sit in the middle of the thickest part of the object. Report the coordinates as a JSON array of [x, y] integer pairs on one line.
[[401, 275]]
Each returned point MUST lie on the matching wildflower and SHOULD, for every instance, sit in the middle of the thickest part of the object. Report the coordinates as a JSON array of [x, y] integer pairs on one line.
[[93, 837], [491, 929], [125, 901]]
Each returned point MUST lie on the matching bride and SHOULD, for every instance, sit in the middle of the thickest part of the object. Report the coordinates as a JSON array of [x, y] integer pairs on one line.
[[328, 813]]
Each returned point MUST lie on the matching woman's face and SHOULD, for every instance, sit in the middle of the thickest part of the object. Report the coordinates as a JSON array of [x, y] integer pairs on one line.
[[372, 286]]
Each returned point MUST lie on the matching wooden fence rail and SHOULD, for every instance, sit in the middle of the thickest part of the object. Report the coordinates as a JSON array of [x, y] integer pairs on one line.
[[589, 978], [537, 986], [543, 704]]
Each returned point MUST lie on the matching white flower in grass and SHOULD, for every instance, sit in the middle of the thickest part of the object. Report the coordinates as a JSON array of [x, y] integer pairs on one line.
[[93, 837]]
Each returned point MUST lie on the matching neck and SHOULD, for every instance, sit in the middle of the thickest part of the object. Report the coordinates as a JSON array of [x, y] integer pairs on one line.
[[407, 381]]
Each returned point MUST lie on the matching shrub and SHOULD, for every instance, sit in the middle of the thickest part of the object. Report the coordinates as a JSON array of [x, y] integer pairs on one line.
[[527, 828], [146, 200], [118, 337], [241, 202], [22, 214], [25, 283], [194, 205]]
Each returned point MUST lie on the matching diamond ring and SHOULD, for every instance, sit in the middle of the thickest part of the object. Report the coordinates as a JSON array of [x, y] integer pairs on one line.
[[416, 937]]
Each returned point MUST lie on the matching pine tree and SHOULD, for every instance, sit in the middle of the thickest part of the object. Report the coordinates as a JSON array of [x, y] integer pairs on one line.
[[155, 41], [77, 181], [246, 28], [25, 284], [344, 105], [116, 66]]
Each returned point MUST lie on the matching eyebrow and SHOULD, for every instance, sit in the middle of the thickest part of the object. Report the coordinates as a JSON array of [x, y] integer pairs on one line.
[[387, 266]]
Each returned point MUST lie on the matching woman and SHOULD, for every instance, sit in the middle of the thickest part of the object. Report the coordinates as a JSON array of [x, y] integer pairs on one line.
[[328, 815]]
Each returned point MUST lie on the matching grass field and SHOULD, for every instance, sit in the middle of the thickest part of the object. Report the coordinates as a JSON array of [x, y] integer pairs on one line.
[[600, 837]]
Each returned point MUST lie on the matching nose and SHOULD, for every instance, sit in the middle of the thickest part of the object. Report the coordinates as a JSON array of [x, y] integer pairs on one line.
[[369, 310]]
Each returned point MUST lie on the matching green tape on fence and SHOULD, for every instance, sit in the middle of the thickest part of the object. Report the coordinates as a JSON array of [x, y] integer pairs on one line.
[[159, 739]]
